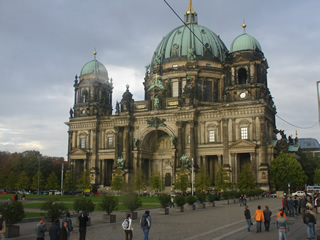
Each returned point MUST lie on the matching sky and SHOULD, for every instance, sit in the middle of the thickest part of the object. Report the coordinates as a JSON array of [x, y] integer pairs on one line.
[[44, 44]]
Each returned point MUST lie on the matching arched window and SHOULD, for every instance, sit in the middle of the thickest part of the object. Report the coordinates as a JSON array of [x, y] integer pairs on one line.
[[242, 76]]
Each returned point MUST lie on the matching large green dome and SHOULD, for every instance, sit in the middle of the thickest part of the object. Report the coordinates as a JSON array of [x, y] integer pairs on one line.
[[181, 42], [94, 67], [245, 42]]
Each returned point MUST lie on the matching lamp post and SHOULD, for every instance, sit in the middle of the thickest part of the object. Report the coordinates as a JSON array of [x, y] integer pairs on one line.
[[62, 166], [39, 176], [192, 176]]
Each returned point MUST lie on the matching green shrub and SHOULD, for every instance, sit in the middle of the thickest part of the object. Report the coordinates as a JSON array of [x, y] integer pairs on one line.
[[164, 200], [190, 199], [212, 197], [179, 200], [12, 212], [83, 204], [109, 204], [201, 196], [132, 201], [54, 209]]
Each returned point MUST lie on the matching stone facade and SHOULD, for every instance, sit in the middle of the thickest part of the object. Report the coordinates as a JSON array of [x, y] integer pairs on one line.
[[217, 113]]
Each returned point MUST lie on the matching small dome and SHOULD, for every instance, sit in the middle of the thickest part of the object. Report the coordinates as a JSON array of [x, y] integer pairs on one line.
[[245, 42], [94, 67]]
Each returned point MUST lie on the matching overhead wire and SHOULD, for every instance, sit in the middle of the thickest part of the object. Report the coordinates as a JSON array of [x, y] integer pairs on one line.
[[225, 66]]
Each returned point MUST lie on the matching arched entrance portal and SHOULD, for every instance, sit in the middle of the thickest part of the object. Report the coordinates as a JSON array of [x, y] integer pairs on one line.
[[157, 155]]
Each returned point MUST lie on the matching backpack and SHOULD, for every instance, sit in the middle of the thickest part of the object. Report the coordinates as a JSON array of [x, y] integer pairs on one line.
[[125, 224], [306, 219], [144, 222]]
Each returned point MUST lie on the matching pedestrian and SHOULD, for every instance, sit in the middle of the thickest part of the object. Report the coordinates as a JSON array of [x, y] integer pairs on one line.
[[316, 203], [279, 214], [145, 223], [127, 227], [285, 204], [267, 218], [296, 204], [303, 206], [83, 219], [2, 227], [282, 226], [41, 229], [172, 201], [241, 200], [69, 226], [245, 200], [64, 231], [291, 207], [248, 217], [259, 217], [310, 222], [315, 217], [54, 231]]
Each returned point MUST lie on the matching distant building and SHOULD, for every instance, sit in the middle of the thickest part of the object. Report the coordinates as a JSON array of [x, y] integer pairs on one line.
[[201, 101], [310, 144]]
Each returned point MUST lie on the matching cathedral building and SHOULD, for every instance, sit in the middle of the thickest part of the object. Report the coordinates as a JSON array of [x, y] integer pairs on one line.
[[202, 103]]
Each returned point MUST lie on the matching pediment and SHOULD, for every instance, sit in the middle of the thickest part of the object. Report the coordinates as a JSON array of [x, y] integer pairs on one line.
[[78, 152], [243, 145]]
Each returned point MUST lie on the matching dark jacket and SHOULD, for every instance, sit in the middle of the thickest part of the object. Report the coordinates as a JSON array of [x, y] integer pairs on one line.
[[54, 232], [64, 234], [267, 215], [83, 219], [309, 218], [247, 214]]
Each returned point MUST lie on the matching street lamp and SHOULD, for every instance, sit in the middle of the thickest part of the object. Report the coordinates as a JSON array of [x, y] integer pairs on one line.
[[192, 176], [39, 176]]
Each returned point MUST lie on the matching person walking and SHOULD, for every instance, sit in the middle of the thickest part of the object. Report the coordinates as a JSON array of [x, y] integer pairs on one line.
[[291, 207], [41, 229], [2, 227], [83, 219], [282, 226], [241, 200], [310, 222], [303, 206], [245, 200], [54, 231], [296, 205], [172, 201], [145, 223], [64, 231], [248, 217], [259, 217], [69, 226], [127, 227], [267, 218]]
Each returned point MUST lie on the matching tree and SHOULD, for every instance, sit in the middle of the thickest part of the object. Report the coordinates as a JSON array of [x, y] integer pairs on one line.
[[117, 180], [309, 163], [316, 178], [54, 209], [68, 183], [84, 181], [11, 181], [23, 181], [35, 178], [247, 180], [222, 181], [109, 203], [12, 212], [284, 170], [52, 181], [132, 201], [155, 181], [83, 204], [202, 179], [139, 180], [182, 181]]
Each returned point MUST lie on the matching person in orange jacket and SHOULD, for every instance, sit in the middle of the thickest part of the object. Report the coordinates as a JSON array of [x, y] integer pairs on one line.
[[259, 217], [279, 214]]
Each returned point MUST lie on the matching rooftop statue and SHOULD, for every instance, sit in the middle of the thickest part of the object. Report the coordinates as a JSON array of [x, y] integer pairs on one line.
[[120, 162], [184, 160]]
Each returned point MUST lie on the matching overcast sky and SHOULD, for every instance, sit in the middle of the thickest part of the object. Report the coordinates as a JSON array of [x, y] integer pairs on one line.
[[44, 44]]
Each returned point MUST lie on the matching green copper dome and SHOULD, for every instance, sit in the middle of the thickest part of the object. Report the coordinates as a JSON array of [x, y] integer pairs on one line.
[[182, 44], [245, 42], [94, 67]]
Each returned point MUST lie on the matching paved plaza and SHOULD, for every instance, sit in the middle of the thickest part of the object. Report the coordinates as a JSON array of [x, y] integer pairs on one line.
[[220, 222]]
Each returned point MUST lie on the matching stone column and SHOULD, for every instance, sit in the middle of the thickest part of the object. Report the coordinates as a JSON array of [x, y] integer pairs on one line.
[[192, 142], [263, 141], [234, 128], [225, 142], [116, 144], [180, 146], [254, 137]]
